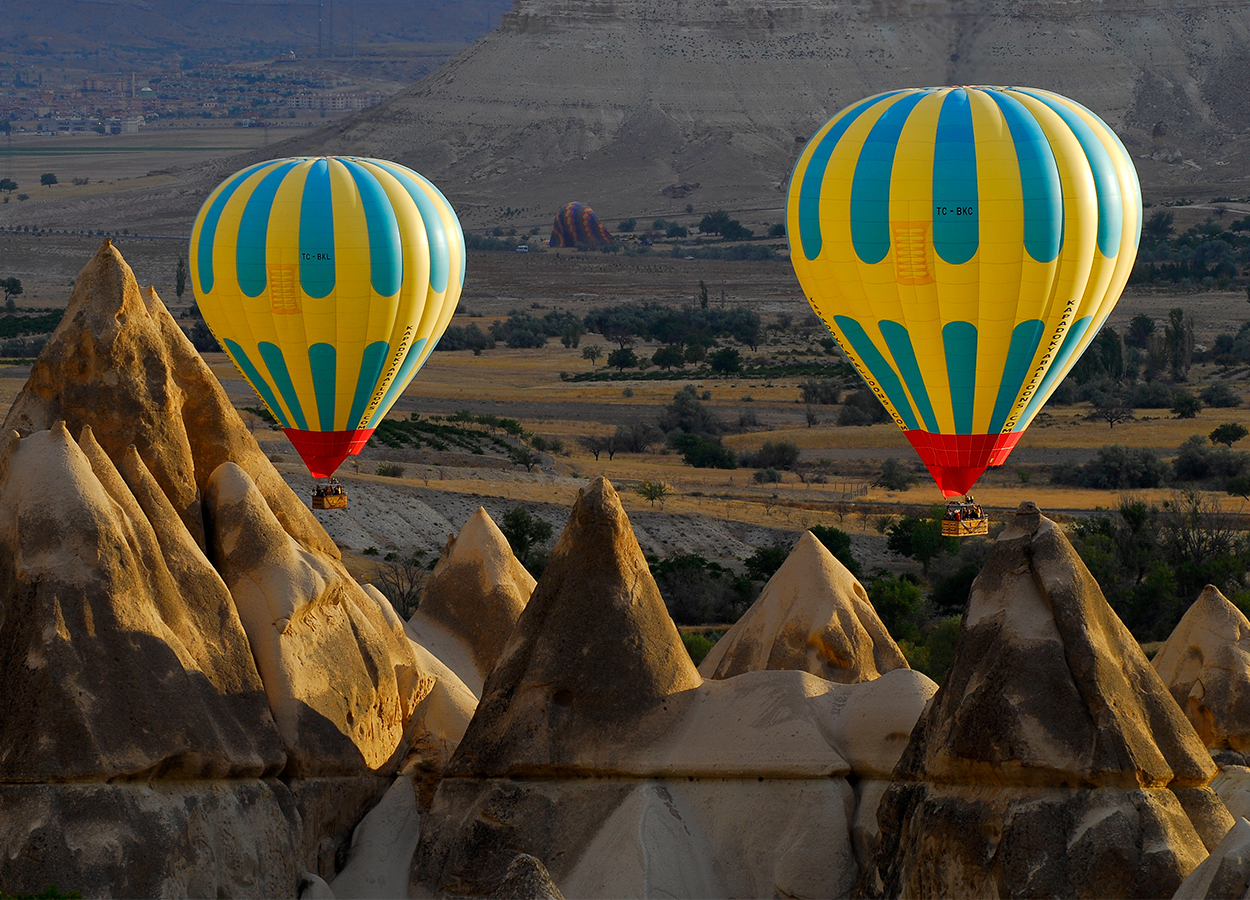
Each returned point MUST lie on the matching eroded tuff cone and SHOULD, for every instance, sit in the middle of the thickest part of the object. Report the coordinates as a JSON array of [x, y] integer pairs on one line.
[[473, 598], [593, 653], [1205, 663], [112, 664], [813, 615], [119, 363], [1223, 874], [341, 682], [527, 879], [1052, 762]]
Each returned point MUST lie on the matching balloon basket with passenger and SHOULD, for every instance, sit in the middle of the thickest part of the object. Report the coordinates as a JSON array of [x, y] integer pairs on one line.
[[329, 496], [964, 518]]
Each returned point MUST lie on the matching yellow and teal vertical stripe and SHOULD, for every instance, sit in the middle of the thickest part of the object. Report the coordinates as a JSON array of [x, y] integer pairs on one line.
[[963, 246], [328, 282]]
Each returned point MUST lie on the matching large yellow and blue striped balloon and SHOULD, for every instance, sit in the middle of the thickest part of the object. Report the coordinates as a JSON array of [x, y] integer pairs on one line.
[[964, 246], [328, 281]]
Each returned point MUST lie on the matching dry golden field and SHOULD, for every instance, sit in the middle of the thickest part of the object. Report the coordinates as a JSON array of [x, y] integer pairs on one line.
[[527, 385]]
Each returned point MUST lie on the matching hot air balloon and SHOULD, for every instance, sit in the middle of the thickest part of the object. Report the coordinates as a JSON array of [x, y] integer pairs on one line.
[[576, 225], [328, 281], [963, 246]]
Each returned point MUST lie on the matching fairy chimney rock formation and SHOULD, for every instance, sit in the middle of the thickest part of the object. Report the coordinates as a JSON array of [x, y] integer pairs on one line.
[[342, 680], [112, 665], [814, 616], [472, 600], [1205, 663], [1052, 762], [119, 363], [591, 657]]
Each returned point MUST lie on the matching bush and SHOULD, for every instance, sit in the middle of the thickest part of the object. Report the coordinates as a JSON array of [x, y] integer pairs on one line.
[[702, 452], [824, 393], [764, 562], [686, 413], [767, 476], [779, 455], [893, 476], [837, 542], [697, 645], [934, 653], [390, 470], [1228, 434], [1220, 396], [862, 407], [898, 601], [526, 534], [1196, 460], [1186, 405], [726, 361], [699, 592], [1152, 395], [1116, 468]]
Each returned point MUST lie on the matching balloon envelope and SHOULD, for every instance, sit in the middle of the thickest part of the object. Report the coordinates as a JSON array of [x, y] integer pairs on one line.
[[963, 246], [327, 281]]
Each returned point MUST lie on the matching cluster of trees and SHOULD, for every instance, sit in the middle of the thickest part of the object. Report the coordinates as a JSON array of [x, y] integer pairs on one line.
[[1152, 560], [1209, 462], [691, 330], [1207, 255]]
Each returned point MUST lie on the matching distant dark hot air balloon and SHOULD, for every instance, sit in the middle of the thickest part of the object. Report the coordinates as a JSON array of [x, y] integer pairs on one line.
[[577, 225]]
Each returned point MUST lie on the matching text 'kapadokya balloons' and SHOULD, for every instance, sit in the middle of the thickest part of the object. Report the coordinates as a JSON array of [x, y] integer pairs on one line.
[[328, 281], [963, 246]]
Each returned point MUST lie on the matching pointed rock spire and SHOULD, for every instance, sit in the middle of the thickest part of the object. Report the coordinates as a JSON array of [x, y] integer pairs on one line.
[[1052, 742], [119, 363], [592, 655], [110, 667], [1205, 663], [814, 616], [474, 598]]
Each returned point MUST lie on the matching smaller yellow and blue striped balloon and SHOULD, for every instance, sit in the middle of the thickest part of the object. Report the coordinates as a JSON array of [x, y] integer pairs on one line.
[[964, 245], [328, 282]]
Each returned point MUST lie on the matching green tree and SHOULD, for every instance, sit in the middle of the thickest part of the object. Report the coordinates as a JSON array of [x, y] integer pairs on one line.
[[627, 225], [668, 356], [8, 185], [652, 490], [713, 222], [726, 361], [702, 291], [12, 288], [837, 542], [920, 539], [1186, 406], [764, 562], [526, 533], [180, 277], [1228, 434], [703, 452], [893, 476], [47, 179], [1178, 336], [897, 600], [592, 352], [1158, 227], [1239, 486], [623, 359]]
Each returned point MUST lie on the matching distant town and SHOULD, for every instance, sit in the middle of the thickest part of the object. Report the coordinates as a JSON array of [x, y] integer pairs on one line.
[[244, 95]]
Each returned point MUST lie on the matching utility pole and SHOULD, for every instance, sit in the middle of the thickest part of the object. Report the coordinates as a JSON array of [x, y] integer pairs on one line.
[[320, 7]]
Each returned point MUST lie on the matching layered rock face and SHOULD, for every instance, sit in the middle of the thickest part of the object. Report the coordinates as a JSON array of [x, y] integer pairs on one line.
[[472, 601], [1205, 663], [615, 102], [814, 616], [1052, 762], [165, 653], [598, 749]]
